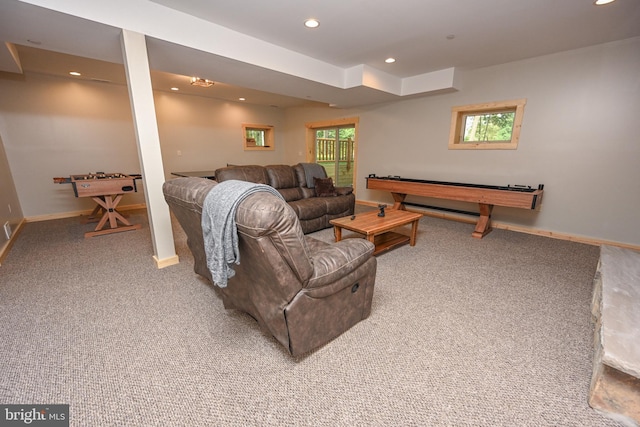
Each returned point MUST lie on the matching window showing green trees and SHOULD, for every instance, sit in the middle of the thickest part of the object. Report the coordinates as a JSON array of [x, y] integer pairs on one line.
[[257, 137], [492, 125], [488, 127]]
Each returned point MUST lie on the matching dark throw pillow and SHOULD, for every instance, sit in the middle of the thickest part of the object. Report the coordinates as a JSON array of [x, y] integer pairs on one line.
[[324, 187]]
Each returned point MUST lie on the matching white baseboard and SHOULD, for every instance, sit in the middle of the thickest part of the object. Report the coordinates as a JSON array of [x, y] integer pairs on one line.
[[4, 250], [61, 215], [166, 262]]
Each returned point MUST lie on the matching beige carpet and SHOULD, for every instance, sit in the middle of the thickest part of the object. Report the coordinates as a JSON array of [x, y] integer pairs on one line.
[[463, 332]]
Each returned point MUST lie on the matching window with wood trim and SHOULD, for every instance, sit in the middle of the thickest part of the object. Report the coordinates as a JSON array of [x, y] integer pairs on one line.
[[258, 137], [488, 126]]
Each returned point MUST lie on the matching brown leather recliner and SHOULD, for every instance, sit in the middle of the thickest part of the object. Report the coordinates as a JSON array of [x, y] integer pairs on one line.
[[303, 291]]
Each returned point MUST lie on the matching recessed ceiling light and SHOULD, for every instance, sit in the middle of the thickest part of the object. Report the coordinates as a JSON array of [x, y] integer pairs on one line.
[[390, 60], [242, 99], [451, 37], [175, 88], [312, 23], [603, 2], [74, 73]]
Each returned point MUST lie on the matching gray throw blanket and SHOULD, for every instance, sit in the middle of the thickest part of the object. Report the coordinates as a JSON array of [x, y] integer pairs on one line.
[[219, 228], [313, 170]]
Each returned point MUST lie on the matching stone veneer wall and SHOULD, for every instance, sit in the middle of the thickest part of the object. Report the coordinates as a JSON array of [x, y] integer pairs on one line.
[[615, 384]]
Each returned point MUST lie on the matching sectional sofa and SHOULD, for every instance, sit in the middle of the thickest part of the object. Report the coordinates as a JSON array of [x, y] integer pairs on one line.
[[315, 205]]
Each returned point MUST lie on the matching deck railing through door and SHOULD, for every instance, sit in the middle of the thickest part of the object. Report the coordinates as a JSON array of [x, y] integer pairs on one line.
[[326, 151]]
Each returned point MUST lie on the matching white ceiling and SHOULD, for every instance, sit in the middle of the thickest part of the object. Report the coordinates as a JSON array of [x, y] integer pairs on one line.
[[261, 50]]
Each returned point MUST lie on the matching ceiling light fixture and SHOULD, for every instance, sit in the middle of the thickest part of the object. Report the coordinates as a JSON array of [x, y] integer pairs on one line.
[[603, 2], [390, 60], [242, 99], [74, 73], [175, 88], [197, 81], [312, 23]]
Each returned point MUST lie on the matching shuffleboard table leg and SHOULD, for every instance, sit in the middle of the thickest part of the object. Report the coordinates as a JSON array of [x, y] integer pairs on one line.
[[398, 198], [483, 226]]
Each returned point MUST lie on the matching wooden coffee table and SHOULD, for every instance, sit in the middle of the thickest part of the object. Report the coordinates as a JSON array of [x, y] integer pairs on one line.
[[378, 229]]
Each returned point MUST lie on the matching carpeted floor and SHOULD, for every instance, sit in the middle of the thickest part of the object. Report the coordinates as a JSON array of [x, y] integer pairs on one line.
[[463, 332]]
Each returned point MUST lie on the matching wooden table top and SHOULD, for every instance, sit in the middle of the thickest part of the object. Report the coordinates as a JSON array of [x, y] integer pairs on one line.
[[370, 223]]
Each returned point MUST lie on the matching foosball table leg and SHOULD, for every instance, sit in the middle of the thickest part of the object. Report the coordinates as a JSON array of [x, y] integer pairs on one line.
[[108, 204], [95, 215]]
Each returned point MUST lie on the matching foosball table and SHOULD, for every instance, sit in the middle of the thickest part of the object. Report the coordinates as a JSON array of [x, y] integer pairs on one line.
[[106, 189]]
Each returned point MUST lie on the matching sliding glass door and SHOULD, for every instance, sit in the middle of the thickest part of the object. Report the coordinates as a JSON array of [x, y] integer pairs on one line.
[[335, 150]]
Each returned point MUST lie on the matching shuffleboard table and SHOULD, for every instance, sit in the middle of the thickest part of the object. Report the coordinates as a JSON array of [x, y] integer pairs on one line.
[[486, 196]]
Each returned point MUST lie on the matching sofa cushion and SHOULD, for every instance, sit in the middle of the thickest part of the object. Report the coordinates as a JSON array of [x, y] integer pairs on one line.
[[283, 178], [299, 171], [291, 194], [309, 208], [251, 173], [308, 192], [341, 206], [324, 187]]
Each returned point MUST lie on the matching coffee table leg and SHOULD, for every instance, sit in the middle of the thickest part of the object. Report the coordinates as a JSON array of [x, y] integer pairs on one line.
[[337, 232], [414, 231]]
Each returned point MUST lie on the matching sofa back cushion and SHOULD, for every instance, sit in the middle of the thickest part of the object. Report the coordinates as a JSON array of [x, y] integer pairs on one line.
[[283, 178], [251, 173], [299, 171], [306, 172], [307, 190]]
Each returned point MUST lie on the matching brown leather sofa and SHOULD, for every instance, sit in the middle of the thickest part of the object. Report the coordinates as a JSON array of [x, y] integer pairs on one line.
[[301, 290], [313, 212]]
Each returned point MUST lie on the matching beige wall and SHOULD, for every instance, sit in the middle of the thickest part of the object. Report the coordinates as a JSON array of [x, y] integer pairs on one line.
[[54, 127], [579, 138], [57, 127], [208, 132], [10, 210]]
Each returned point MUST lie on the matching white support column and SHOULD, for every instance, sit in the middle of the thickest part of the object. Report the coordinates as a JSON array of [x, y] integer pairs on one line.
[[134, 50]]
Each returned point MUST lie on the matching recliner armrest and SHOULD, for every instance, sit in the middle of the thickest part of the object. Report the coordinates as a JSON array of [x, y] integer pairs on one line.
[[334, 262], [344, 191]]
